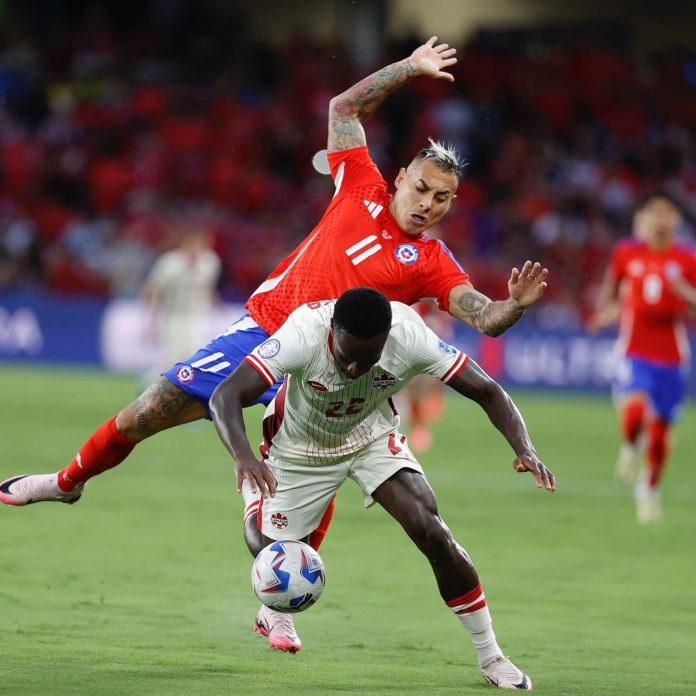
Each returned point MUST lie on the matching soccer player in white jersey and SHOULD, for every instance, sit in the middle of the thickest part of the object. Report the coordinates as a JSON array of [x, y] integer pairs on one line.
[[333, 419], [180, 292]]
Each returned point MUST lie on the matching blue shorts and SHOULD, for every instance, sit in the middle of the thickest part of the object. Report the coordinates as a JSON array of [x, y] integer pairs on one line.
[[665, 385], [201, 373]]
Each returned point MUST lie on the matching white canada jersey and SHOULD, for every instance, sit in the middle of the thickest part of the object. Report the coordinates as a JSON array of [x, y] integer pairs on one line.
[[185, 286], [320, 414]]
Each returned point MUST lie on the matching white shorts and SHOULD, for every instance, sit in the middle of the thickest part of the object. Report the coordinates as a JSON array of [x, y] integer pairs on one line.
[[304, 492]]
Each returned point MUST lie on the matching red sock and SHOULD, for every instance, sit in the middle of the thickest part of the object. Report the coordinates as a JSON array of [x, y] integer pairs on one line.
[[470, 601], [105, 449], [317, 536], [632, 418], [658, 449]]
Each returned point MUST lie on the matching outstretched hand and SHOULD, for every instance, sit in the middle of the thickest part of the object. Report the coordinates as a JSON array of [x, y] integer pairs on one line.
[[528, 285], [684, 290], [530, 462], [430, 59], [258, 475], [603, 318]]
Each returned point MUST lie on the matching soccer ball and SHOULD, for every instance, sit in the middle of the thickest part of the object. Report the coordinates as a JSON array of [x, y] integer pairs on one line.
[[288, 576]]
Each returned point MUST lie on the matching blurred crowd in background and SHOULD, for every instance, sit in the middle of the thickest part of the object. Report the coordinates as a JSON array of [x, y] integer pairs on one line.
[[110, 134]]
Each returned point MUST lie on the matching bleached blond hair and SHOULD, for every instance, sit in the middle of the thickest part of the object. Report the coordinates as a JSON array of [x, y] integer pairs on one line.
[[444, 156]]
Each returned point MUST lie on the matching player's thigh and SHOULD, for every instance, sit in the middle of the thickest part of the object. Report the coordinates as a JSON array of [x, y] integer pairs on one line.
[[379, 462], [302, 496], [668, 393], [630, 382], [408, 497]]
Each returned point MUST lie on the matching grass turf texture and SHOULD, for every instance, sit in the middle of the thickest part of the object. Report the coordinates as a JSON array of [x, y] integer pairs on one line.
[[143, 586]]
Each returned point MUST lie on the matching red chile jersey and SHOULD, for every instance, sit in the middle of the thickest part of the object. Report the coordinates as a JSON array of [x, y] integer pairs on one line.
[[651, 325], [356, 243]]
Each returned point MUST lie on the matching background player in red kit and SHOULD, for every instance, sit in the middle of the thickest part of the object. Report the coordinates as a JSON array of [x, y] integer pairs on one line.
[[365, 238], [652, 279], [425, 397]]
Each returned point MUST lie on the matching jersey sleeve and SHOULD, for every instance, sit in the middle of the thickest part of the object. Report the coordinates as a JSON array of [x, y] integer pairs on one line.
[[617, 261], [443, 274], [691, 270], [283, 352], [354, 167], [427, 352]]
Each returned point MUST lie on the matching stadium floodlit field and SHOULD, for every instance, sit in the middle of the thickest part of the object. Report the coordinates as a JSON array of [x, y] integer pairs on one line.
[[143, 586]]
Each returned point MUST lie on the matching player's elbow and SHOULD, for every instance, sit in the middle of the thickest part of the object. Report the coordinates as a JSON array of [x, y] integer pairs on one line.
[[216, 405], [341, 106], [490, 393], [493, 331], [222, 401]]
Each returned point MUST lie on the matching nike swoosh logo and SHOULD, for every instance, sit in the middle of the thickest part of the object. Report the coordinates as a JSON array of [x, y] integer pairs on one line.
[[5, 487]]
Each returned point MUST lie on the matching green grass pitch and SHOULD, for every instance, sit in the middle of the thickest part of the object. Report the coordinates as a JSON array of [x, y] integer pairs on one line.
[[143, 586]]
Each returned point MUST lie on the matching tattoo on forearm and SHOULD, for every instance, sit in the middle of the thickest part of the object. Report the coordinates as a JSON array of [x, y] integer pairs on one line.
[[490, 318], [369, 93], [359, 101], [472, 303]]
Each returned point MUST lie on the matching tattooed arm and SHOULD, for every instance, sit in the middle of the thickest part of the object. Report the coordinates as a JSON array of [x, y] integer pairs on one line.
[[349, 109], [493, 318]]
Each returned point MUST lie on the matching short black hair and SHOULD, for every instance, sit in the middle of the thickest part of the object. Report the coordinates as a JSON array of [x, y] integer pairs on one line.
[[362, 312]]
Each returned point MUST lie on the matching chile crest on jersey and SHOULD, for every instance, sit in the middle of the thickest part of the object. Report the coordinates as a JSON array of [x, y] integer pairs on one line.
[[406, 254]]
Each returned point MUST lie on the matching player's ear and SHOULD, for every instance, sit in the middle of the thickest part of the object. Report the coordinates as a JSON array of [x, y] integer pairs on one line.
[[400, 177]]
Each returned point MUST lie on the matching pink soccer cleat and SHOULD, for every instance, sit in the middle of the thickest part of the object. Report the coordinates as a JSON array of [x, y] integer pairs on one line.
[[279, 628]]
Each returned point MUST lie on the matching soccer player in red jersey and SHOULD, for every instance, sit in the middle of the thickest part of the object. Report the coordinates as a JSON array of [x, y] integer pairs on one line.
[[651, 278], [366, 237]]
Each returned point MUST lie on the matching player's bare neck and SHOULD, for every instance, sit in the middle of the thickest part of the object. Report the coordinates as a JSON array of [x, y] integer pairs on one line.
[[662, 244]]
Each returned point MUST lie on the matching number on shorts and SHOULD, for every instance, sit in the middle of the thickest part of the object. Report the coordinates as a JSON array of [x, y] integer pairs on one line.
[[395, 448]]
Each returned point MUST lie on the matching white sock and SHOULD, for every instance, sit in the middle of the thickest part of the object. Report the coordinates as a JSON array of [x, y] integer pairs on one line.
[[472, 611]]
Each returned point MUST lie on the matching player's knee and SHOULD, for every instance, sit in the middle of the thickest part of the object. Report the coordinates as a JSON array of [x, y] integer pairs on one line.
[[162, 405], [433, 538], [125, 423], [137, 421]]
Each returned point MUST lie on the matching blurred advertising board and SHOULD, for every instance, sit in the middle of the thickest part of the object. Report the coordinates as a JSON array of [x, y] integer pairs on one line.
[[115, 335]]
